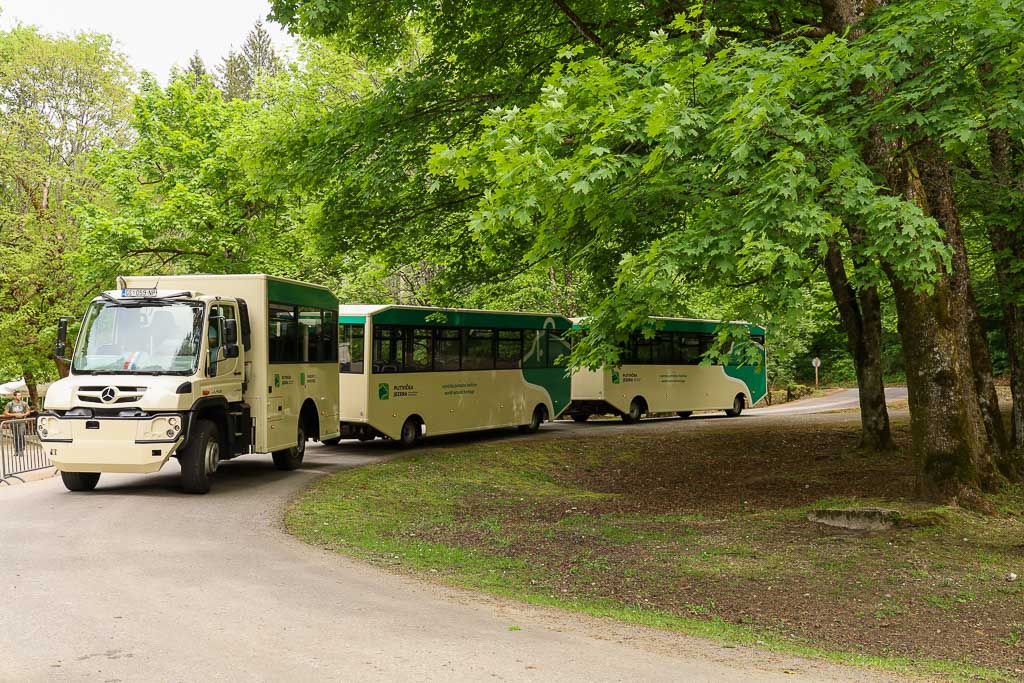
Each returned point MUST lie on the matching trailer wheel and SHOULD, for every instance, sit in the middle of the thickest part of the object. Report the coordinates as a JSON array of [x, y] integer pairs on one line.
[[684, 413], [410, 434], [200, 458], [738, 404], [540, 413], [291, 458], [80, 481], [636, 411], [580, 417]]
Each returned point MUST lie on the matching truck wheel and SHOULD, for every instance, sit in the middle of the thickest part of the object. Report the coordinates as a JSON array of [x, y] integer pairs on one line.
[[580, 417], [636, 411], [332, 441], [291, 458], [199, 459], [410, 433], [80, 481], [737, 406]]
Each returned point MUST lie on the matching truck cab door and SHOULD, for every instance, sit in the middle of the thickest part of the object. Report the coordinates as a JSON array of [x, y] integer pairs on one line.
[[225, 356]]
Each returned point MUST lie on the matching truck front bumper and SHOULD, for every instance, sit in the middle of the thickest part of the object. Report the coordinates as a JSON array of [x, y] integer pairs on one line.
[[106, 445]]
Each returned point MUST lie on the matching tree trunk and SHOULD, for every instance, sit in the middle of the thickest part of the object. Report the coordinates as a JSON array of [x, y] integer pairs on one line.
[[1007, 239], [953, 416], [861, 316], [950, 423], [937, 184], [33, 391], [951, 446]]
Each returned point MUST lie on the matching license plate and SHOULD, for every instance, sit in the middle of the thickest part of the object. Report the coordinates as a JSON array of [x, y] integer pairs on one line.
[[138, 292]]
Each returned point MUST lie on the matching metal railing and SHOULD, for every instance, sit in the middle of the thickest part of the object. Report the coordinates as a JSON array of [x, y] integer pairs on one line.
[[20, 449]]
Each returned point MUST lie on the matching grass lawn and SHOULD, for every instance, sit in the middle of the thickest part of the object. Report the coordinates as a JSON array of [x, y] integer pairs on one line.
[[700, 528]]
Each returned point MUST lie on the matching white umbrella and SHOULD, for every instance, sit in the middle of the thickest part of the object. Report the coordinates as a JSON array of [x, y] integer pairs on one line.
[[7, 390]]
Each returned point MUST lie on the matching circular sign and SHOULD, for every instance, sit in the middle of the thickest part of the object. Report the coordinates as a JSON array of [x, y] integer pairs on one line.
[[816, 362]]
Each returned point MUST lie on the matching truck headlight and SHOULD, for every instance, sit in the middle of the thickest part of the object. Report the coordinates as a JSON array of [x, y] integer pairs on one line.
[[48, 426], [164, 427]]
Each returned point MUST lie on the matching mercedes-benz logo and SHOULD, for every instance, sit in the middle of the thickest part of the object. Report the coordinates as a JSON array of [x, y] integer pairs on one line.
[[108, 394]]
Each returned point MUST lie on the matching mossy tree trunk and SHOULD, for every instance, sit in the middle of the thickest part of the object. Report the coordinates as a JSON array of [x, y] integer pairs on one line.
[[860, 312], [957, 432], [1006, 235]]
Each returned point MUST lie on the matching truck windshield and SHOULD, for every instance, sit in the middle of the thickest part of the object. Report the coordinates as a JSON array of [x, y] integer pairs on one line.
[[144, 337]]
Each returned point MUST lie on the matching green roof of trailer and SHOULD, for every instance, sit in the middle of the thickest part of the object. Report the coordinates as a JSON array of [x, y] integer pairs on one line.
[[451, 317], [687, 324]]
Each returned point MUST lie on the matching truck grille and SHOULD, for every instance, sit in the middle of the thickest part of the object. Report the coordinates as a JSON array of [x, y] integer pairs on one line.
[[110, 395]]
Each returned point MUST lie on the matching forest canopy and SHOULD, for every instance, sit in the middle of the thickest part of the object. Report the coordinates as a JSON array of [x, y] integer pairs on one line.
[[848, 174]]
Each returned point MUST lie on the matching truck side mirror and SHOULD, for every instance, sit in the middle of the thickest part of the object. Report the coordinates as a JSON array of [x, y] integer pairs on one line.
[[231, 350], [61, 347], [230, 331]]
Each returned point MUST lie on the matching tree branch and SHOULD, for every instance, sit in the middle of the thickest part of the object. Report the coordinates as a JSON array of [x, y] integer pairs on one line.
[[584, 30]]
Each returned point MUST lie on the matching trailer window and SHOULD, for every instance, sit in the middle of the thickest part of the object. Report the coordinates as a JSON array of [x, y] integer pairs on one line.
[[479, 350], [387, 348], [350, 349], [687, 348], [510, 349], [447, 349], [418, 350]]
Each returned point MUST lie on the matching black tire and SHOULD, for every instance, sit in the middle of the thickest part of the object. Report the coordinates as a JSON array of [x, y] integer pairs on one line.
[[410, 434], [291, 458], [738, 404], [80, 481], [684, 413], [636, 411], [540, 414], [200, 457], [334, 441], [580, 417]]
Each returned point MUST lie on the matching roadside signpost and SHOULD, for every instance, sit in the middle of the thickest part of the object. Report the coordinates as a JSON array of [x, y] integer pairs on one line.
[[816, 362]]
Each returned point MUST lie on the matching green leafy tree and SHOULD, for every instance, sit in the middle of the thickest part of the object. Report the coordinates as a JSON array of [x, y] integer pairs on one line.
[[240, 72], [60, 98], [180, 201], [196, 69], [372, 156], [784, 149]]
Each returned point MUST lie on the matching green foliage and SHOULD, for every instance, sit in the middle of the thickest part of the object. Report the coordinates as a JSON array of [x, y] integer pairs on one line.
[[674, 168], [179, 197], [60, 98], [240, 72]]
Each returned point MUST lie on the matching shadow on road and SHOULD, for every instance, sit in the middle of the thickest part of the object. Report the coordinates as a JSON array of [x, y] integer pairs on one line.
[[254, 471]]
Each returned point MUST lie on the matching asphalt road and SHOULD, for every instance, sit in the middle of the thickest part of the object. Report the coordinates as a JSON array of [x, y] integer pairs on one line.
[[137, 581], [843, 399]]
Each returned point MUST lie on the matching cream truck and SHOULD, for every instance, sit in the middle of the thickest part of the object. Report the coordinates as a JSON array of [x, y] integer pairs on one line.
[[202, 368]]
